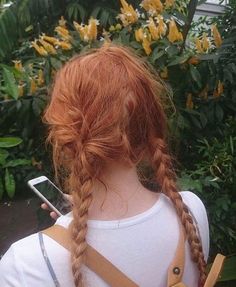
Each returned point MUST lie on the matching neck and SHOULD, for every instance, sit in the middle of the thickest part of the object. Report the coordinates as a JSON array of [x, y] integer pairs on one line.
[[119, 193]]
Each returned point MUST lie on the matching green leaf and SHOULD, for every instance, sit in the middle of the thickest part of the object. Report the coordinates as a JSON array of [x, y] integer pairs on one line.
[[196, 121], [228, 76], [29, 28], [156, 54], [96, 11], [179, 60], [10, 83], [135, 45], [206, 57], [195, 75], [231, 142], [38, 106], [3, 155], [17, 162], [187, 183], [6, 142], [203, 119], [228, 272], [56, 63], [104, 16], [172, 51], [10, 184], [219, 113]]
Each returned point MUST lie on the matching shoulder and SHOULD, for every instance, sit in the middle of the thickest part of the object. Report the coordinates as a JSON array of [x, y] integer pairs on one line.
[[193, 202], [8, 268], [191, 198], [11, 263], [195, 205], [19, 249], [199, 214]]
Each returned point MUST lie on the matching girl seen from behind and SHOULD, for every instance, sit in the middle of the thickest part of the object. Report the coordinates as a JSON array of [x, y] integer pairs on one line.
[[105, 117]]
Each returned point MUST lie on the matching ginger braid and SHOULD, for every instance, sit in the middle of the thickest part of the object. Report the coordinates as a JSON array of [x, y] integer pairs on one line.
[[165, 174], [81, 183]]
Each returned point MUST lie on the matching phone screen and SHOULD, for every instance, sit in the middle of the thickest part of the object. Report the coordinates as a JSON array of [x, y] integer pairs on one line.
[[54, 195]]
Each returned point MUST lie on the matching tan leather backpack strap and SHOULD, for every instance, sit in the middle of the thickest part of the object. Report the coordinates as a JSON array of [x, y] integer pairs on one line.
[[60, 234], [93, 260], [106, 270], [176, 268], [215, 271]]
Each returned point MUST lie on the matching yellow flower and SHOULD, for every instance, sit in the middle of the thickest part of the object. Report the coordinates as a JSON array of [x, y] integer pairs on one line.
[[169, 3], [62, 22], [106, 35], [161, 26], [128, 14], [152, 6], [92, 29], [204, 93], [77, 26], [48, 47], [38, 48], [40, 81], [33, 86], [174, 34], [205, 42], [18, 65], [139, 35], [64, 45], [164, 73], [153, 29], [87, 32], [146, 45], [219, 90], [63, 33], [216, 36], [199, 45], [51, 40], [21, 90], [189, 102]]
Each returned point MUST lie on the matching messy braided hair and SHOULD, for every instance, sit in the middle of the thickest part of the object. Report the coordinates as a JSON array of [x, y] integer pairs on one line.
[[106, 106]]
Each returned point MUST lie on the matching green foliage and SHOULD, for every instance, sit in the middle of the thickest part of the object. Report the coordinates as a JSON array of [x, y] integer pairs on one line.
[[229, 273], [212, 176], [7, 181]]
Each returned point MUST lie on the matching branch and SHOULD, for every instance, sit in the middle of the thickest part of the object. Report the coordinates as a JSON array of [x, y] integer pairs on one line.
[[192, 6]]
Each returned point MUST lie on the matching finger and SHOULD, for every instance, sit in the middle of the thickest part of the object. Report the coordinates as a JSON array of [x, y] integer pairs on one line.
[[45, 206], [54, 215]]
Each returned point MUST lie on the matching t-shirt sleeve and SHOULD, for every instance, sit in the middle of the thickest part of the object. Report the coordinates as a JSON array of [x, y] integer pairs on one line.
[[199, 214], [10, 275]]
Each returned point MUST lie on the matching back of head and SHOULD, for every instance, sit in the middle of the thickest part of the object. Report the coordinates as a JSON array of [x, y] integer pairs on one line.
[[106, 107], [105, 104]]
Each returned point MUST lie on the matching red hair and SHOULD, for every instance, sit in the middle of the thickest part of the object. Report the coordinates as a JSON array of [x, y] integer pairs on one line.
[[106, 106]]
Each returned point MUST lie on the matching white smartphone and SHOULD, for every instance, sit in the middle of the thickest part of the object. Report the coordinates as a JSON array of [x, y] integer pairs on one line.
[[50, 194]]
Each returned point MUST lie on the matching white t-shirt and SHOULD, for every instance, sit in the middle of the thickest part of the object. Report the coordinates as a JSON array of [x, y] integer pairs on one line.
[[141, 246]]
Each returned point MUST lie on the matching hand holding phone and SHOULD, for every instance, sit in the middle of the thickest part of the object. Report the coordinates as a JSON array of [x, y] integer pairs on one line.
[[51, 195]]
